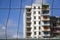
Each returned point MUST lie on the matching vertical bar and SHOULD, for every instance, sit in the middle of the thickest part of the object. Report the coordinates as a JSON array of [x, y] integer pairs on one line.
[[19, 19], [7, 20]]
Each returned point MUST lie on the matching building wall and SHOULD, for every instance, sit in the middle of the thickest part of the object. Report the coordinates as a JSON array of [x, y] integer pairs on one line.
[[55, 25], [35, 19]]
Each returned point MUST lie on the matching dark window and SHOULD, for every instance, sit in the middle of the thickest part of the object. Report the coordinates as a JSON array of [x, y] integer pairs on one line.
[[46, 22], [39, 33], [38, 7], [28, 10], [28, 24], [38, 12], [28, 14], [34, 33], [34, 7], [46, 32], [34, 12], [39, 17], [34, 17], [28, 34], [28, 19], [39, 22], [39, 27], [45, 12], [34, 27], [34, 22]]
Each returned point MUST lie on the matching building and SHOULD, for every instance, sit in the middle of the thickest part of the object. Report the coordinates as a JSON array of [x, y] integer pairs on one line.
[[36, 21], [55, 26]]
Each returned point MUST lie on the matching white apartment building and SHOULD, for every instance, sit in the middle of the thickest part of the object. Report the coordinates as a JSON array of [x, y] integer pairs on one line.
[[36, 21]]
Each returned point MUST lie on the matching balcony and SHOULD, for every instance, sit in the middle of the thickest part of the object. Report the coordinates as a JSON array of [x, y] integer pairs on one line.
[[28, 10], [46, 29], [46, 36], [28, 19], [28, 14], [45, 12], [57, 30], [45, 7], [28, 29], [58, 26], [45, 23], [46, 26], [45, 18], [28, 35], [28, 24], [58, 21]]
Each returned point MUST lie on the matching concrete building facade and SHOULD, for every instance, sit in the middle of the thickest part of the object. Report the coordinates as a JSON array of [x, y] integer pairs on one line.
[[37, 21], [55, 26]]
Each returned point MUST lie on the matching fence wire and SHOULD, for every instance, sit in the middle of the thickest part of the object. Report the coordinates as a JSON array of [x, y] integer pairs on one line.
[[19, 18]]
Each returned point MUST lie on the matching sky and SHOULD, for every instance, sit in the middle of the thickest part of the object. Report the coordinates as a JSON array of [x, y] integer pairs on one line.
[[14, 14]]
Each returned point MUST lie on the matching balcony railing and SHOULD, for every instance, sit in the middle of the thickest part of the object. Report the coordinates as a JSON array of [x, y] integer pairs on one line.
[[46, 35], [45, 18], [28, 34], [58, 26], [28, 24], [45, 7], [28, 14], [45, 23], [28, 37], [28, 29], [28, 9], [48, 29], [28, 19]]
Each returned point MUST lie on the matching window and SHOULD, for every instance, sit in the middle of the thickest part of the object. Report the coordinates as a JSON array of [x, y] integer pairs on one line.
[[28, 29], [34, 17], [38, 12], [34, 12], [34, 22], [46, 32], [39, 33], [38, 7], [28, 24], [39, 27], [34, 7], [46, 22], [34, 33], [28, 14], [28, 34], [34, 27], [45, 12], [39, 17], [39, 22], [28, 10], [28, 19], [46, 27], [45, 17]]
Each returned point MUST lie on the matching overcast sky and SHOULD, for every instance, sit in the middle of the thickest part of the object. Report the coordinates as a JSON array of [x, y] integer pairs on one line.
[[14, 14]]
